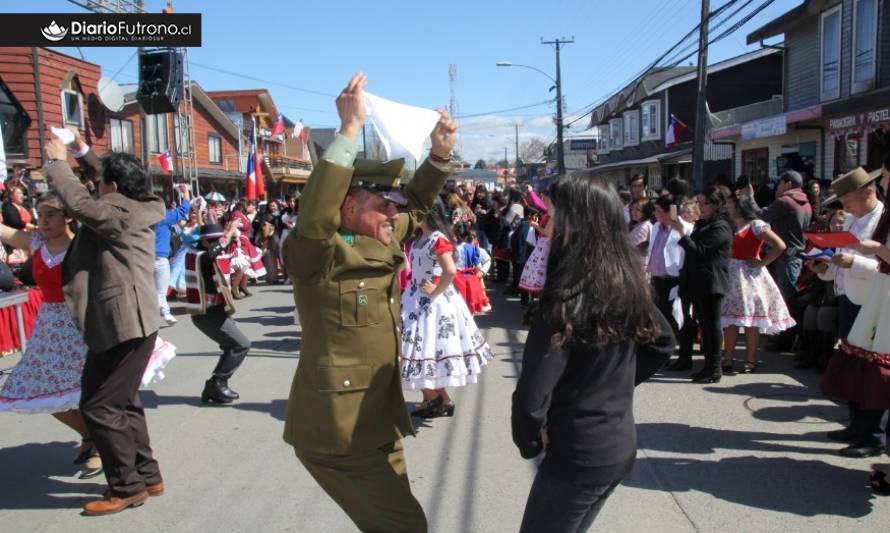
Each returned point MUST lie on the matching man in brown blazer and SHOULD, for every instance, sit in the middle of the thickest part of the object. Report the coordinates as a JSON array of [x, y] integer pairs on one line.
[[108, 281]]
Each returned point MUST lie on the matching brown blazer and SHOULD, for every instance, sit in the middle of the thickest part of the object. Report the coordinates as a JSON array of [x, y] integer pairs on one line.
[[108, 273]]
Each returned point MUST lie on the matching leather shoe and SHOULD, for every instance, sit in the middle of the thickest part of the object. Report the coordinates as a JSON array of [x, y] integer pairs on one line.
[[842, 435], [112, 504], [216, 390], [860, 451]]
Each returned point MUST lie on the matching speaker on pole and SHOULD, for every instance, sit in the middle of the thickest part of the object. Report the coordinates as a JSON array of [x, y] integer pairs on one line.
[[160, 81]]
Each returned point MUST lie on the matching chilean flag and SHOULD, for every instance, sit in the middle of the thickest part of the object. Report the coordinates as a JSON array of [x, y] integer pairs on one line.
[[674, 130], [250, 183], [166, 162], [298, 132], [278, 128]]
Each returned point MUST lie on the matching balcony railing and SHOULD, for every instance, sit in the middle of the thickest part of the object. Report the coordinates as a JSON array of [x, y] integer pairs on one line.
[[282, 165], [747, 113]]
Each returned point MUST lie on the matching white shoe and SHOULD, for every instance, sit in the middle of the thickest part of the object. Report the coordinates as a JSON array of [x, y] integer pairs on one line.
[[170, 319]]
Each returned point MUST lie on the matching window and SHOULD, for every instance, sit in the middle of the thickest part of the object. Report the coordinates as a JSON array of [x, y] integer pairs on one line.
[[214, 143], [831, 54], [156, 133], [755, 165], [651, 122], [865, 15], [72, 108], [616, 136], [14, 122], [846, 155], [603, 144], [183, 145], [632, 128], [121, 135]]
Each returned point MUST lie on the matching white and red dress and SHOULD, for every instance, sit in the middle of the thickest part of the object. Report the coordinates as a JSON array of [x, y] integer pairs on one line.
[[535, 272], [469, 262], [752, 298], [441, 345]]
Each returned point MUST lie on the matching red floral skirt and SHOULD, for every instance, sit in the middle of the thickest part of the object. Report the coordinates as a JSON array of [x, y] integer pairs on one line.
[[857, 375], [470, 287]]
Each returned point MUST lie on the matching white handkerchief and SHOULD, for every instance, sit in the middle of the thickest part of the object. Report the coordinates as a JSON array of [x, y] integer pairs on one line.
[[64, 135], [402, 128]]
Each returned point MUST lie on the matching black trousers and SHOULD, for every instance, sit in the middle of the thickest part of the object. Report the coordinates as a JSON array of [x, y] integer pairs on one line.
[[109, 401], [220, 327], [707, 309], [661, 294], [555, 506], [270, 261], [688, 331]]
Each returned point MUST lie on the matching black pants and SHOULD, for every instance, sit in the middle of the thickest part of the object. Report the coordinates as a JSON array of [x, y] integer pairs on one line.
[[847, 312], [270, 262], [502, 270], [707, 310], [661, 294], [217, 325], [688, 331], [556, 506], [109, 401]]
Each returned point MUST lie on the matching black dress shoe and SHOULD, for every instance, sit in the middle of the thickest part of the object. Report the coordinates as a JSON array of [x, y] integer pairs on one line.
[[860, 450], [680, 365], [431, 410], [843, 435], [707, 377], [216, 390]]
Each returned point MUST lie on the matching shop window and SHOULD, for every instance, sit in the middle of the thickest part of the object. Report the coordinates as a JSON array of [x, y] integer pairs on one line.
[[121, 135], [846, 155], [831, 53], [214, 145], [865, 15], [755, 165], [14, 123], [616, 135]]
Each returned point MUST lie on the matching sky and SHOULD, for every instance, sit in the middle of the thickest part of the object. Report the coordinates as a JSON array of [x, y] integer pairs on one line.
[[405, 48]]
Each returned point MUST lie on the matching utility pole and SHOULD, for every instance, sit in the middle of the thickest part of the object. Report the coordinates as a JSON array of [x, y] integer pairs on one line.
[[560, 152], [506, 161], [701, 119], [516, 126]]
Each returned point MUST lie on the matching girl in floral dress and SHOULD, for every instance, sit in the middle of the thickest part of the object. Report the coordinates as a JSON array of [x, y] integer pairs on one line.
[[752, 300], [47, 379], [535, 272], [441, 345]]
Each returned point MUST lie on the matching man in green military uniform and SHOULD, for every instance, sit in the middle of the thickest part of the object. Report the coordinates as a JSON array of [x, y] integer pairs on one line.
[[346, 413]]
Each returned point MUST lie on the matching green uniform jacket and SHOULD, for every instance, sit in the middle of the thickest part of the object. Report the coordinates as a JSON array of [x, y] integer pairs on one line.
[[347, 392]]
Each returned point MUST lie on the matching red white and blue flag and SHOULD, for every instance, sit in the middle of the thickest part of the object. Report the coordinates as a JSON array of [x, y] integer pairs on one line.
[[278, 128], [166, 162], [250, 184], [674, 130]]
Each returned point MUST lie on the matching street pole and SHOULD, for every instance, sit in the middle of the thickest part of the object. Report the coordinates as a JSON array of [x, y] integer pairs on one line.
[[506, 161], [698, 148], [516, 126], [560, 152]]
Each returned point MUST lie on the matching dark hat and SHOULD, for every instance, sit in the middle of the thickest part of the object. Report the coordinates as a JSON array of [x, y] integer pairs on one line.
[[793, 176], [380, 178], [212, 231], [850, 182]]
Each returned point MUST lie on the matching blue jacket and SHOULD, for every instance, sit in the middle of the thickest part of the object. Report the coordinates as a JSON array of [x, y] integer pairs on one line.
[[162, 230]]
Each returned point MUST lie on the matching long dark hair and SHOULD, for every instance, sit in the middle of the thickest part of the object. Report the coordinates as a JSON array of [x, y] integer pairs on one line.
[[746, 207], [438, 220], [595, 291]]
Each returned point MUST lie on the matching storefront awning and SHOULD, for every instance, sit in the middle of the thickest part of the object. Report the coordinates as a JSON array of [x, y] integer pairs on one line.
[[653, 160], [767, 126]]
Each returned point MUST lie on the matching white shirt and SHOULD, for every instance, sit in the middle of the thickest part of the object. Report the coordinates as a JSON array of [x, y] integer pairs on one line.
[[850, 281]]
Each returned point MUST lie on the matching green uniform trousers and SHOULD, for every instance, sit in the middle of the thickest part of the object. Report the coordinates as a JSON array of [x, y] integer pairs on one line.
[[371, 487]]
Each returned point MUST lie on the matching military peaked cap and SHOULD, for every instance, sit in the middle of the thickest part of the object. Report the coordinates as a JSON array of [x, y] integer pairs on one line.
[[380, 178]]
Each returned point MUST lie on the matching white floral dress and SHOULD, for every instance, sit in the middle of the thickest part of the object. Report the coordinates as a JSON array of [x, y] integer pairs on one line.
[[441, 345]]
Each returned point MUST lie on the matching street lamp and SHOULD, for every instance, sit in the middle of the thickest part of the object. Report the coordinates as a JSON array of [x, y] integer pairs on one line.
[[560, 152]]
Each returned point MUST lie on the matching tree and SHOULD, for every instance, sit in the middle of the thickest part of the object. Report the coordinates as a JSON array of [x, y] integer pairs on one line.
[[481, 164], [532, 149]]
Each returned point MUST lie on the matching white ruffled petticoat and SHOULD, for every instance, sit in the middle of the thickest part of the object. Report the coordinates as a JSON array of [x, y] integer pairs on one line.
[[753, 300]]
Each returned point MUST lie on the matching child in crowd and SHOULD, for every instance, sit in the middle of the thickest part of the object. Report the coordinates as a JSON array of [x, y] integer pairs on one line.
[[472, 264]]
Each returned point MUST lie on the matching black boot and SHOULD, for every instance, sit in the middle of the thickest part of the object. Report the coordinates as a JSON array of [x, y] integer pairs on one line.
[[216, 390]]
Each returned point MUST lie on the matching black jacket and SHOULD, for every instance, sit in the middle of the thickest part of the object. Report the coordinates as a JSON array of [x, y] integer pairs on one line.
[[706, 267], [584, 395]]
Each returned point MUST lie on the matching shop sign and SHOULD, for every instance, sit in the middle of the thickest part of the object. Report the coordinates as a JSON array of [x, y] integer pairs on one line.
[[766, 127], [582, 144], [859, 123]]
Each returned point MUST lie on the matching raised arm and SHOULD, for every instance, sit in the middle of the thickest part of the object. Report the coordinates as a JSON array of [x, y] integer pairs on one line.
[[14, 237]]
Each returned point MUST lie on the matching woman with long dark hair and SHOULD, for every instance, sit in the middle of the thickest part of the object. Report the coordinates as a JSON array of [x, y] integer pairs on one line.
[[753, 300], [441, 345], [594, 337], [705, 275]]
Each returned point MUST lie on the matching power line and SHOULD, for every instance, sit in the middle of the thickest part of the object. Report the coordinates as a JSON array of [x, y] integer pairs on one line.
[[548, 101], [116, 74], [261, 80]]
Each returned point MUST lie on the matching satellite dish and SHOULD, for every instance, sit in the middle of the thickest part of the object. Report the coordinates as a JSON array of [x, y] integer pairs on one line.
[[110, 94]]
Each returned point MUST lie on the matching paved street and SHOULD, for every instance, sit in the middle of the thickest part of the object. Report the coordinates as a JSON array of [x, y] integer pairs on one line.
[[744, 455]]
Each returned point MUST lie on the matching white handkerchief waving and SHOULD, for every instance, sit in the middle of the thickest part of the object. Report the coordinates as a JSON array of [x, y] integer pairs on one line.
[[402, 128]]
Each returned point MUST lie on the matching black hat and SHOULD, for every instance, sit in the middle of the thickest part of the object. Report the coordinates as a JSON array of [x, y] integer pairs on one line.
[[380, 178], [212, 231]]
